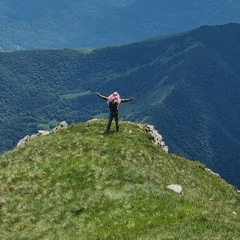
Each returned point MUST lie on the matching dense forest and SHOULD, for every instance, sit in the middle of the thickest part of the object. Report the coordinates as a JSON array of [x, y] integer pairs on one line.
[[187, 85]]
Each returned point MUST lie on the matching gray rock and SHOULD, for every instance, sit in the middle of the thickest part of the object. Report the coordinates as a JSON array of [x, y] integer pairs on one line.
[[157, 138], [42, 133], [60, 126], [176, 188], [209, 170]]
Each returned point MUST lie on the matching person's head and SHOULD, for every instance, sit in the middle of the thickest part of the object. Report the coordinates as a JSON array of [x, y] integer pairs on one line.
[[114, 96]]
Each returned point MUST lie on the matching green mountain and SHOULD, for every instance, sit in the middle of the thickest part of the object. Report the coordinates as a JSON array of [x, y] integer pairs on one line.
[[85, 183], [186, 85], [34, 24]]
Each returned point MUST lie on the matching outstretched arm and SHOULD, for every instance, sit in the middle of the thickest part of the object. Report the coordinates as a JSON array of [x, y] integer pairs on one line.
[[101, 96], [127, 100]]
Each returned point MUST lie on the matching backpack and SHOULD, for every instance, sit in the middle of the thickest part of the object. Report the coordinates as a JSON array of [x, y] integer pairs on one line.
[[113, 106]]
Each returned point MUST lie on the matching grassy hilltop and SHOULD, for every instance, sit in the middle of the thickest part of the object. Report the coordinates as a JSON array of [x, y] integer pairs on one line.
[[84, 183]]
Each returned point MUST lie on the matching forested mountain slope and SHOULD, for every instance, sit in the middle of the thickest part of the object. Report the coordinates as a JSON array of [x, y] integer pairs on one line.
[[187, 85]]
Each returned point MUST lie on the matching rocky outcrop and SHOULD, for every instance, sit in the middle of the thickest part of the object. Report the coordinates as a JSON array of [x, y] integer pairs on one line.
[[60, 126], [157, 138], [42, 133], [209, 170]]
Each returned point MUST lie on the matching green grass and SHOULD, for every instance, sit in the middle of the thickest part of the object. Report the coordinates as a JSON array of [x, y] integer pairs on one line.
[[85, 183], [74, 95]]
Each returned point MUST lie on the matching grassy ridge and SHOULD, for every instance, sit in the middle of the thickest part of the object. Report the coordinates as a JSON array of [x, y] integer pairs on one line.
[[84, 183]]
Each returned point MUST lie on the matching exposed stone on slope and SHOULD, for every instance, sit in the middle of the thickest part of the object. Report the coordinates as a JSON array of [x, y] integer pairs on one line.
[[176, 188], [42, 133], [157, 138], [209, 170], [60, 126]]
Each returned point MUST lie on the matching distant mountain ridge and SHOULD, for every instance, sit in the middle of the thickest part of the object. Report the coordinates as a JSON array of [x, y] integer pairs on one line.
[[186, 85], [32, 24]]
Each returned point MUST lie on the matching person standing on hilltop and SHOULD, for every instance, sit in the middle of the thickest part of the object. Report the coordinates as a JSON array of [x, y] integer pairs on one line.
[[113, 101]]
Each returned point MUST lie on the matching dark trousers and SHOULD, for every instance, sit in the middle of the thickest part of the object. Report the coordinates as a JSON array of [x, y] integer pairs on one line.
[[113, 115]]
